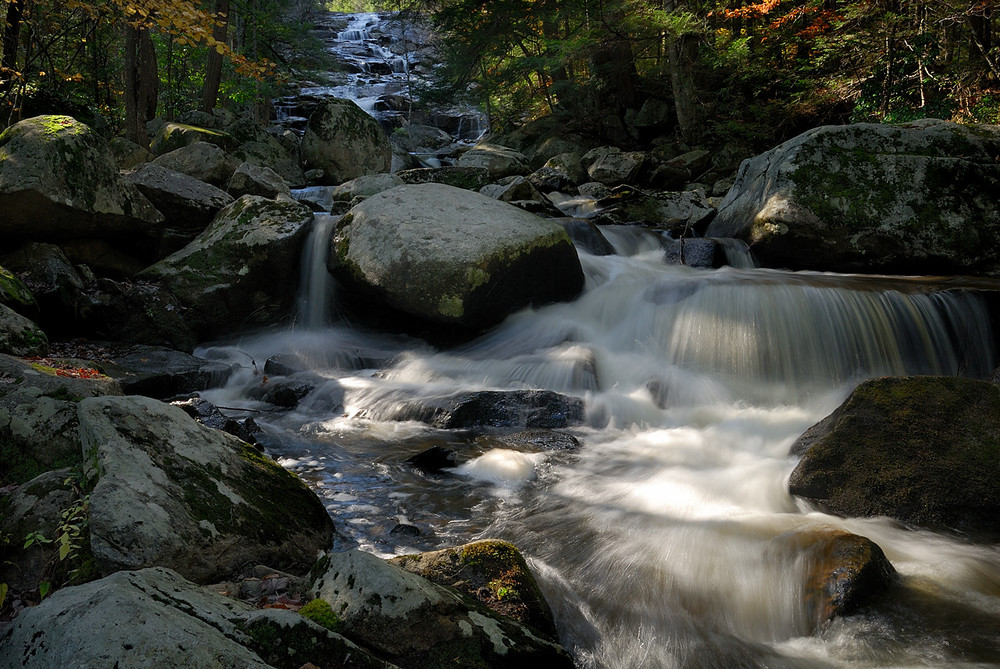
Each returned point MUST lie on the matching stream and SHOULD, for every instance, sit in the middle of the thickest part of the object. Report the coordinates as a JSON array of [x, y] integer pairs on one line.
[[662, 539]]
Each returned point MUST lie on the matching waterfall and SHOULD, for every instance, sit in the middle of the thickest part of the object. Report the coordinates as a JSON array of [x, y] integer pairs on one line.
[[316, 291]]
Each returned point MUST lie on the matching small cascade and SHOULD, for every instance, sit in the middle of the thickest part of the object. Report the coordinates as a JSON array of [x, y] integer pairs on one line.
[[316, 292]]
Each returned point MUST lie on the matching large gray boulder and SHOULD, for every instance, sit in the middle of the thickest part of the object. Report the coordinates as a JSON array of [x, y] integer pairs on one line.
[[922, 449], [242, 271], [344, 142], [189, 204], [154, 618], [500, 161], [59, 180], [451, 257], [414, 622], [170, 492], [915, 199], [141, 619]]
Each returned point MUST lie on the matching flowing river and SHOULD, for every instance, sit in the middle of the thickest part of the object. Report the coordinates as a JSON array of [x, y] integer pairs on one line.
[[663, 538]]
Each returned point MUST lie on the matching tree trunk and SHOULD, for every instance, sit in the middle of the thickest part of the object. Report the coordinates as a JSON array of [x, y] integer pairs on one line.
[[141, 83], [682, 52], [11, 32], [213, 72]]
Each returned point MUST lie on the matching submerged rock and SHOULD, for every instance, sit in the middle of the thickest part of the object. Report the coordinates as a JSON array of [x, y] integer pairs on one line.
[[488, 408], [907, 199], [922, 449], [170, 492], [450, 257]]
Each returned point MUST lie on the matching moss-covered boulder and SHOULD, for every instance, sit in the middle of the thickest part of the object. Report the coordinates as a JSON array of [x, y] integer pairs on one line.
[[242, 271], [59, 180], [923, 449], [172, 136], [450, 257], [269, 152], [20, 335], [916, 198], [493, 572], [344, 142], [415, 623], [170, 492], [39, 426], [15, 294]]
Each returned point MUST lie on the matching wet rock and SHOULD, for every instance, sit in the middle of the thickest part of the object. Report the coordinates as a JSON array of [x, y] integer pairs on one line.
[[434, 459], [920, 449], [209, 415], [285, 393], [173, 493], [344, 142], [492, 572], [414, 622], [451, 258], [161, 372], [872, 198], [696, 252], [586, 235], [531, 441], [489, 408], [202, 161], [317, 198], [844, 571], [59, 180], [242, 271]]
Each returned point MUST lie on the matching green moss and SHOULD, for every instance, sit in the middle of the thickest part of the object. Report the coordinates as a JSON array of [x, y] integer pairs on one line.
[[13, 291], [320, 612]]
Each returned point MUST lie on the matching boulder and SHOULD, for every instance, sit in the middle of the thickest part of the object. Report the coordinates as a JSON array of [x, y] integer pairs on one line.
[[904, 199], [140, 312], [365, 186], [512, 189], [202, 161], [147, 618], [189, 204], [611, 166], [15, 294], [160, 372], [487, 408], [20, 335], [414, 622], [586, 235], [171, 492], [498, 160], [39, 426], [451, 257], [54, 282], [696, 252], [922, 449], [571, 163], [171, 136], [491, 571], [59, 180], [270, 152], [128, 154], [252, 180], [468, 178], [317, 198], [242, 271], [344, 142]]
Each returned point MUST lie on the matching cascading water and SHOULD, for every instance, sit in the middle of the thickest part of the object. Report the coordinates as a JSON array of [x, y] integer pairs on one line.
[[665, 539]]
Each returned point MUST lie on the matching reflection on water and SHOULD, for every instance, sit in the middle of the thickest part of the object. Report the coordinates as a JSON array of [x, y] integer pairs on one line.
[[664, 539]]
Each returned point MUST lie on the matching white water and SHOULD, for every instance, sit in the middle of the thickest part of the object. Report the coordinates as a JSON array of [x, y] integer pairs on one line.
[[667, 538]]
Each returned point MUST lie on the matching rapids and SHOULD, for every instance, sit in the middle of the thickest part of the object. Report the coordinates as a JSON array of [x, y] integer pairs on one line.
[[659, 542], [662, 541]]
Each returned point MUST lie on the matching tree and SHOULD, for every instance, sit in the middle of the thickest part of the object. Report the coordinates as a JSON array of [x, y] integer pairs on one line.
[[213, 70]]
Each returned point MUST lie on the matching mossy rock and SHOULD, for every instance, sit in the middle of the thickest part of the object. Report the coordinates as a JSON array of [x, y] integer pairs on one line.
[[171, 492], [20, 336], [344, 142], [913, 198], [924, 450], [59, 180], [172, 136], [14, 293], [492, 571]]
